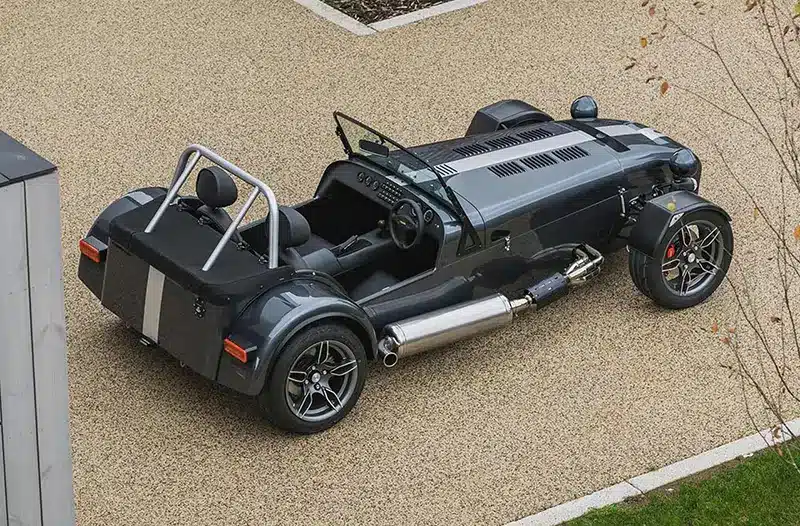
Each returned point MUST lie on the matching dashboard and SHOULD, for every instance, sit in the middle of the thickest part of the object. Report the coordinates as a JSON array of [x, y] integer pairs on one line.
[[378, 188]]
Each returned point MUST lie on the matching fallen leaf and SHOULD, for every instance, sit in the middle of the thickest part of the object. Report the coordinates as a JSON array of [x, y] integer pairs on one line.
[[643, 41], [797, 233], [715, 328], [797, 8], [732, 330], [652, 10], [774, 319], [665, 88], [725, 340], [755, 213]]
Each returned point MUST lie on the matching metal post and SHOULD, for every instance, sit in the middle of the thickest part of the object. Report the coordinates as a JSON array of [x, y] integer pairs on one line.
[[35, 459]]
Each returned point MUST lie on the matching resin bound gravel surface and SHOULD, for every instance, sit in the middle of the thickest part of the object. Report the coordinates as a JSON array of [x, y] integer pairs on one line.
[[597, 388]]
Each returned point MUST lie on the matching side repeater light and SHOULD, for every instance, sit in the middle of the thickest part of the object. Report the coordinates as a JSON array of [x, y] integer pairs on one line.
[[237, 351], [93, 248]]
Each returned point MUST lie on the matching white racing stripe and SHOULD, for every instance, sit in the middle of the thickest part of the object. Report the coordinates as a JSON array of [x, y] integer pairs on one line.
[[140, 197], [522, 150], [152, 304], [508, 154], [624, 129], [531, 148]]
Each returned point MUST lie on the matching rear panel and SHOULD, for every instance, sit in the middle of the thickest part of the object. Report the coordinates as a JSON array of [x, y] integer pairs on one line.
[[188, 328]]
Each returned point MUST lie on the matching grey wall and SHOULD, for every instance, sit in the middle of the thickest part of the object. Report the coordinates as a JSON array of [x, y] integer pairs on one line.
[[35, 460]]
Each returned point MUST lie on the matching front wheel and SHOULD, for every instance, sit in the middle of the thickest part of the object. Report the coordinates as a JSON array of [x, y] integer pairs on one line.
[[316, 380], [691, 260]]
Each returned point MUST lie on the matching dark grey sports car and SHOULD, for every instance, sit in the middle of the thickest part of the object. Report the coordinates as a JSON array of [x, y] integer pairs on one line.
[[401, 249]]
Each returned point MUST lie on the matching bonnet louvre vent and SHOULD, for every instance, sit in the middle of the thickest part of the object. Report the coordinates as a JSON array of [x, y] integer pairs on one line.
[[445, 169], [506, 169], [503, 142], [534, 162], [471, 149], [535, 135], [570, 153]]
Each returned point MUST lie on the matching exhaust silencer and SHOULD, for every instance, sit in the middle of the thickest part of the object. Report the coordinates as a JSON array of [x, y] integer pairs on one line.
[[421, 333], [435, 329]]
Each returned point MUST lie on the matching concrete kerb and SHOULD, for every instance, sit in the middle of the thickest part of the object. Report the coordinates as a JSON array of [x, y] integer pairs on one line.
[[659, 478]]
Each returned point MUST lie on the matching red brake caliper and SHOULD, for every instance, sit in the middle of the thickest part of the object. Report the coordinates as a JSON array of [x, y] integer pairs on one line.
[[671, 251]]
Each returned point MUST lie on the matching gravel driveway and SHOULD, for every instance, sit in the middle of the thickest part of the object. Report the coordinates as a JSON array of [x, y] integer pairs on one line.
[[600, 387]]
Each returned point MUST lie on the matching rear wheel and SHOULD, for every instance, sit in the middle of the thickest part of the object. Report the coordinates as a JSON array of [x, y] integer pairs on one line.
[[316, 380], [692, 259]]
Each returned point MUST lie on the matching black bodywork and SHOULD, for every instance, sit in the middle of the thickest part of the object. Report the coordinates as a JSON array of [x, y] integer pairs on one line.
[[502, 209]]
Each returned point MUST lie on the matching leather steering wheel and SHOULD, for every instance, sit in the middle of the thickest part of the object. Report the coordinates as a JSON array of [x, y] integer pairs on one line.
[[401, 224]]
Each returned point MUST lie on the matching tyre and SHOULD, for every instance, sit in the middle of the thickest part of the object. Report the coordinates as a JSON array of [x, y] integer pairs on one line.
[[316, 380], [692, 259]]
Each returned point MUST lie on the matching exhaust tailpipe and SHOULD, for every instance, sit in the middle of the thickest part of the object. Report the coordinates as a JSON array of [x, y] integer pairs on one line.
[[436, 329], [386, 353]]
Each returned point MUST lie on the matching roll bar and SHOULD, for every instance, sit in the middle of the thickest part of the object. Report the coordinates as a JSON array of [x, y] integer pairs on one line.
[[186, 164]]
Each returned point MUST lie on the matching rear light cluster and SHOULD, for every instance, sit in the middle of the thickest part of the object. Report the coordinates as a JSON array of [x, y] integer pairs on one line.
[[93, 248]]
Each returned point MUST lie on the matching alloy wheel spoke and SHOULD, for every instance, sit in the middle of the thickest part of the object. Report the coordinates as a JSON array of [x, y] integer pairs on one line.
[[332, 398], [710, 238], [703, 262], [670, 265], [684, 282], [297, 377], [686, 236], [344, 369], [323, 352], [308, 397]]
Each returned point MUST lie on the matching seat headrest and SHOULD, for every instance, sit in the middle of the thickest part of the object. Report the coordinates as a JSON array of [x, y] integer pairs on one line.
[[215, 187], [293, 228]]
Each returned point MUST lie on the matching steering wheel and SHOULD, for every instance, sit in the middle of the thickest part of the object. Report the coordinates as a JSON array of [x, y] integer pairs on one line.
[[405, 220]]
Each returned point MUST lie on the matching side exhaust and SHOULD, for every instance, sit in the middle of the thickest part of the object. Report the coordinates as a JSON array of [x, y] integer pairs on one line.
[[451, 324]]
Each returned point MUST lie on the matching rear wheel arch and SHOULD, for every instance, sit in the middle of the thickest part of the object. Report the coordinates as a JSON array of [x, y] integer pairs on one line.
[[367, 336]]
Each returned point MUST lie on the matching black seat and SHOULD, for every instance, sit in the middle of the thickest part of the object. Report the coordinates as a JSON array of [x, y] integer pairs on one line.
[[216, 190], [299, 247]]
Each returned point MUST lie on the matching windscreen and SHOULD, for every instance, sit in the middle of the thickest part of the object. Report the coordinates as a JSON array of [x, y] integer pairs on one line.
[[365, 142]]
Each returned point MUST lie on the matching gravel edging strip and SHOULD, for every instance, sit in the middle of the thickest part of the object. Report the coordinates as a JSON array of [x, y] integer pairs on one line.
[[337, 17], [642, 484], [422, 14], [354, 26]]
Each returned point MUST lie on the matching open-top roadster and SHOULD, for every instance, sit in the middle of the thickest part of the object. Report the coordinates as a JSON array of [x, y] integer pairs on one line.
[[400, 250]]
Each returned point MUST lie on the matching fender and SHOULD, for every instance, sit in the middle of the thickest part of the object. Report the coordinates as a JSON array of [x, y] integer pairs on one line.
[[661, 213], [91, 273], [268, 322]]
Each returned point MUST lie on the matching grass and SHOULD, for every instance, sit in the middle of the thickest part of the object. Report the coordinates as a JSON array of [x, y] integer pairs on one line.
[[762, 490]]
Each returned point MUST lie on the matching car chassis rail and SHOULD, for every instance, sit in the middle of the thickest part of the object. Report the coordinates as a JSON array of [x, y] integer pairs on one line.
[[186, 164]]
